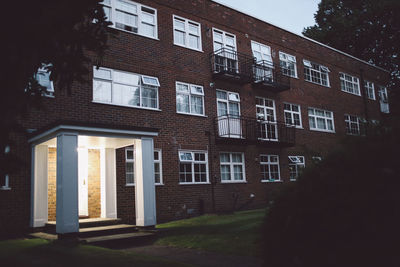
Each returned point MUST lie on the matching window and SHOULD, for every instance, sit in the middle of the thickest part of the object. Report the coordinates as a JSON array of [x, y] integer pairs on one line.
[[349, 84], [292, 114], [225, 49], [288, 64], [187, 33], [321, 120], [131, 17], [369, 90], [383, 99], [232, 167], [266, 116], [296, 165], [193, 167], [316, 73], [228, 112], [158, 167], [354, 125], [189, 99], [42, 76], [130, 166], [6, 185], [269, 165], [125, 89], [264, 67]]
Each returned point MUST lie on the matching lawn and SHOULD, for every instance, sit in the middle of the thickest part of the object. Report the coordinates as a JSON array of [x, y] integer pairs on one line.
[[39, 252], [237, 233]]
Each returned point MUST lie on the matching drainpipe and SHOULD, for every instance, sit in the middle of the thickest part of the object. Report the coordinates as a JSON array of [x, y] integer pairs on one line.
[[212, 178], [364, 96]]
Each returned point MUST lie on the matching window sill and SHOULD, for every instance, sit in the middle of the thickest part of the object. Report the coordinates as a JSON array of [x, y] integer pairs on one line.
[[194, 49], [233, 182], [49, 95], [158, 184], [269, 181], [129, 185], [126, 106], [323, 131], [350, 93], [194, 183], [294, 77], [293, 180], [296, 127], [4, 188], [327, 86], [190, 114]]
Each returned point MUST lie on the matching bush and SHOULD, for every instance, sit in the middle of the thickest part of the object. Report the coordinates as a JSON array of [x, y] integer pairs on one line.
[[343, 211]]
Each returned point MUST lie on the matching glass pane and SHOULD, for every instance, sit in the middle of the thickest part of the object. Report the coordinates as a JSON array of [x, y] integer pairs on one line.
[[102, 73], [221, 95], [125, 19], [129, 167], [224, 157], [152, 81], [194, 41], [127, 7], [125, 95], [130, 178], [196, 90], [193, 28], [102, 91], [197, 105], [156, 155], [199, 156], [148, 18], [236, 157], [234, 97], [148, 30], [222, 108], [321, 123], [217, 37], [182, 87], [182, 103], [185, 156], [126, 78], [129, 154], [234, 109], [179, 24], [312, 122], [238, 172], [179, 37], [225, 172], [230, 41], [149, 97]]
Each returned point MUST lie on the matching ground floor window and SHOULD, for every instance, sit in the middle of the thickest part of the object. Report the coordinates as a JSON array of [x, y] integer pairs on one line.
[[232, 167], [193, 167], [269, 167], [296, 165], [354, 125], [130, 166]]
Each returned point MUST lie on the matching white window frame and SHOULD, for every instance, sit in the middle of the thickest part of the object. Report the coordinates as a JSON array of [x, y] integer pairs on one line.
[[158, 161], [326, 118], [231, 165], [297, 161], [349, 84], [139, 15], [43, 71], [141, 86], [264, 57], [370, 90], [353, 120], [190, 94], [6, 185], [268, 164], [132, 149], [187, 32], [383, 99], [193, 161], [317, 69], [292, 113], [224, 42], [288, 60], [270, 127]]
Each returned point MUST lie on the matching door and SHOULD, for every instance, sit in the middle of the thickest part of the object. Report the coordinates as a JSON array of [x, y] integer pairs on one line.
[[228, 111], [83, 172], [225, 49], [266, 117], [264, 66], [383, 99]]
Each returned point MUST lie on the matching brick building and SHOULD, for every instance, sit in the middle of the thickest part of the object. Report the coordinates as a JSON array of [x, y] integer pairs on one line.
[[213, 106]]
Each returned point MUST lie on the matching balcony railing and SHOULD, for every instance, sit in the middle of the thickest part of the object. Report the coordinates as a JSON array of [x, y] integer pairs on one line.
[[244, 130], [229, 64], [270, 76]]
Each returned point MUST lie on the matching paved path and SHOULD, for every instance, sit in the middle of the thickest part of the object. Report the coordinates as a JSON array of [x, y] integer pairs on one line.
[[197, 257]]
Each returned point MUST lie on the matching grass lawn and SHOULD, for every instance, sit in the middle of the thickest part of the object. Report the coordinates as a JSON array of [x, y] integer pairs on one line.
[[236, 233], [39, 252]]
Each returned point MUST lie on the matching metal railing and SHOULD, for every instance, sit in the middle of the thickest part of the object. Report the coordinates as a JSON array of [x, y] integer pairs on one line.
[[253, 130], [268, 74]]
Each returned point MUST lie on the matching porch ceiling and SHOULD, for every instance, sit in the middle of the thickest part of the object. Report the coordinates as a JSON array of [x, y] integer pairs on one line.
[[96, 142]]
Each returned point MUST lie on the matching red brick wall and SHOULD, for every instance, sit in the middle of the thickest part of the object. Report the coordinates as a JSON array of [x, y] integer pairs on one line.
[[171, 63], [52, 183], [94, 183]]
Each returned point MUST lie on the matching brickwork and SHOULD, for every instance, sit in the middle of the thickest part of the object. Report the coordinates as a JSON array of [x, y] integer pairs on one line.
[[171, 63], [94, 191], [52, 183]]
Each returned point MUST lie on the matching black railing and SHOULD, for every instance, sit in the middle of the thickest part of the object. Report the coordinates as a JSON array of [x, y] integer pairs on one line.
[[239, 129], [228, 63], [266, 74]]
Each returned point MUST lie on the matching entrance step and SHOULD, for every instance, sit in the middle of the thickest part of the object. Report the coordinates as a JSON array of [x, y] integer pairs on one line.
[[121, 240], [85, 223], [107, 230]]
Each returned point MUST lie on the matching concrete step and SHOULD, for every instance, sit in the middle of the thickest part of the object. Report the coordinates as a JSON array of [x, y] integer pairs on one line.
[[107, 230], [84, 223], [121, 240]]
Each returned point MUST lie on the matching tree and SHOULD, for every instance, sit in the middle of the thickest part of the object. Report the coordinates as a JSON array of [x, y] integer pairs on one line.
[[57, 34], [367, 29], [343, 212]]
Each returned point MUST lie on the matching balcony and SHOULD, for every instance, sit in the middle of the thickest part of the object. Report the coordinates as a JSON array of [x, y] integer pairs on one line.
[[270, 77], [243, 130], [230, 65]]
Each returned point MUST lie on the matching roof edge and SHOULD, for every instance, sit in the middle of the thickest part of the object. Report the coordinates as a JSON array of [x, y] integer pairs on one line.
[[301, 36]]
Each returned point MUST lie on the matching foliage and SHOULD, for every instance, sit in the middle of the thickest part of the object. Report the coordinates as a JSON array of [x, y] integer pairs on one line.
[[60, 33], [367, 29], [344, 211], [39, 252], [233, 234]]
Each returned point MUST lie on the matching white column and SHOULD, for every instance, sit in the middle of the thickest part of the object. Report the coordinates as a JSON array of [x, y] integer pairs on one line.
[[67, 184], [110, 183], [39, 210], [145, 195]]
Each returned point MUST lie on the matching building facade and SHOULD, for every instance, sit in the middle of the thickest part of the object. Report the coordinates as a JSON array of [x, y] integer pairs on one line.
[[195, 107]]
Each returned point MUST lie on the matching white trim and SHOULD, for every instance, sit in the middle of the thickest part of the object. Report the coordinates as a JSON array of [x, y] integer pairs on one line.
[[301, 36], [125, 106], [190, 94], [159, 151], [301, 161], [285, 57], [292, 113], [224, 43], [269, 164], [314, 117], [231, 168], [6, 185], [187, 33], [192, 162], [355, 82], [369, 86], [322, 70]]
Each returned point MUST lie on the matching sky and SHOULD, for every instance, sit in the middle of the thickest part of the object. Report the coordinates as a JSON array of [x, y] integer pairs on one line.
[[292, 15]]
